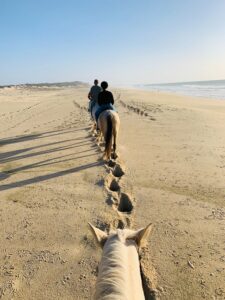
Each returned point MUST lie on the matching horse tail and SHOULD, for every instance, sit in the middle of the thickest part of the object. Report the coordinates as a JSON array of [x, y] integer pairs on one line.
[[108, 137]]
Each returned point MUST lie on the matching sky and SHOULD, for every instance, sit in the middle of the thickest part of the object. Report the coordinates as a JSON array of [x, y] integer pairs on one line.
[[121, 41]]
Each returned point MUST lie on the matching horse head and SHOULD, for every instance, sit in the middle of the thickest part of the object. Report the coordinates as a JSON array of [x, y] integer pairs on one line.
[[138, 236], [119, 274]]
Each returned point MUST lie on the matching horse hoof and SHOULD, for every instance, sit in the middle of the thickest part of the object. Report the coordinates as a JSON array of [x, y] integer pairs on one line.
[[111, 163], [114, 156]]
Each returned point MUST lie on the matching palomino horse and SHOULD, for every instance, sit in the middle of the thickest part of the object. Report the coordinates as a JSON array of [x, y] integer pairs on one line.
[[119, 275], [108, 124]]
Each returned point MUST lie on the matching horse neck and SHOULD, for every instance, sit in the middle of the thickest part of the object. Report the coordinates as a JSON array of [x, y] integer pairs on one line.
[[119, 272]]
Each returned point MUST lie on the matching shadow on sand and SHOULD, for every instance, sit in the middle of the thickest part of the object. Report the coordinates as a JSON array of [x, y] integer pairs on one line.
[[15, 155], [10, 156], [25, 138], [49, 176]]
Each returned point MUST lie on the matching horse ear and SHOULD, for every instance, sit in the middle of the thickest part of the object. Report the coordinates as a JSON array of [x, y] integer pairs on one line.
[[99, 235], [141, 236]]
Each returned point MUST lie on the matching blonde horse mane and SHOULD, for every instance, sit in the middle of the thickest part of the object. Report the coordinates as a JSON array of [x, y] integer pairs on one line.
[[119, 270]]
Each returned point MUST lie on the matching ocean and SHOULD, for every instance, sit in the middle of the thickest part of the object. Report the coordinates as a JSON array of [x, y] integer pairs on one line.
[[214, 89]]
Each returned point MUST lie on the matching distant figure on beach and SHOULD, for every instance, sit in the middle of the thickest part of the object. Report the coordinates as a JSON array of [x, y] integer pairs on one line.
[[93, 94], [105, 100]]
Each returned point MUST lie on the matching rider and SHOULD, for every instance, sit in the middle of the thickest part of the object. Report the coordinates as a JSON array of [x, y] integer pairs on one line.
[[93, 94], [105, 100]]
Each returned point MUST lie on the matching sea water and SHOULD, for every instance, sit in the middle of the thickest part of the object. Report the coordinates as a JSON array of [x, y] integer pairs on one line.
[[206, 89]]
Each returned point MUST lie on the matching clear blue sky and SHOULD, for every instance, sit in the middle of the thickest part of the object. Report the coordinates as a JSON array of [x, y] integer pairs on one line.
[[122, 41]]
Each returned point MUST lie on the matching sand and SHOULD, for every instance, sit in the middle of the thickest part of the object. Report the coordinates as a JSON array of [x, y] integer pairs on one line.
[[53, 181]]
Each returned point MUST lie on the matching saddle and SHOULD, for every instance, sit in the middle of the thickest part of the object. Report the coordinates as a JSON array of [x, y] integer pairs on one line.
[[102, 108]]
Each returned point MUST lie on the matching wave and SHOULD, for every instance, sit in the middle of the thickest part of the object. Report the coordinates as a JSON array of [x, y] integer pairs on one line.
[[204, 89]]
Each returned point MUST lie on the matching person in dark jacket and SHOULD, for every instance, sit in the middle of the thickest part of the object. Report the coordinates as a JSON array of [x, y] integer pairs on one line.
[[105, 100], [105, 97]]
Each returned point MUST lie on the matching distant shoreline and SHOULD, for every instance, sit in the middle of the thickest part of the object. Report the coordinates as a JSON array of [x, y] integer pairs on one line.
[[47, 84], [214, 89]]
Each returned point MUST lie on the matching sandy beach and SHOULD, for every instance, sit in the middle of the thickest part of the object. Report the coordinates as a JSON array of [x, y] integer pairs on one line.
[[53, 181]]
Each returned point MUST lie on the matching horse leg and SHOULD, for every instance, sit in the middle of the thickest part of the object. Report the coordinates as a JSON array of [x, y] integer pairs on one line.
[[99, 138], [100, 132], [93, 128]]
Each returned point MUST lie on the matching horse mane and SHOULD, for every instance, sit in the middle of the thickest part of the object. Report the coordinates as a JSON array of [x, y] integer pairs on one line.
[[114, 274], [119, 275], [112, 269]]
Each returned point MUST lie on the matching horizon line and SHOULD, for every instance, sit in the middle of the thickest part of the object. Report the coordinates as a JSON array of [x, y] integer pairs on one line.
[[76, 82]]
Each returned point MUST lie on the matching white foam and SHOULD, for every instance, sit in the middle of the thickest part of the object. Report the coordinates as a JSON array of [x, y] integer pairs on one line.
[[214, 89]]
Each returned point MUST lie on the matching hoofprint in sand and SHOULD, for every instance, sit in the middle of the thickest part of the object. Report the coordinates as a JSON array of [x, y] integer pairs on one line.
[[54, 181]]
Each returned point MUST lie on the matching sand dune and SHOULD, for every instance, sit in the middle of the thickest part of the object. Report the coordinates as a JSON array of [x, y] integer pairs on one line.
[[53, 181]]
